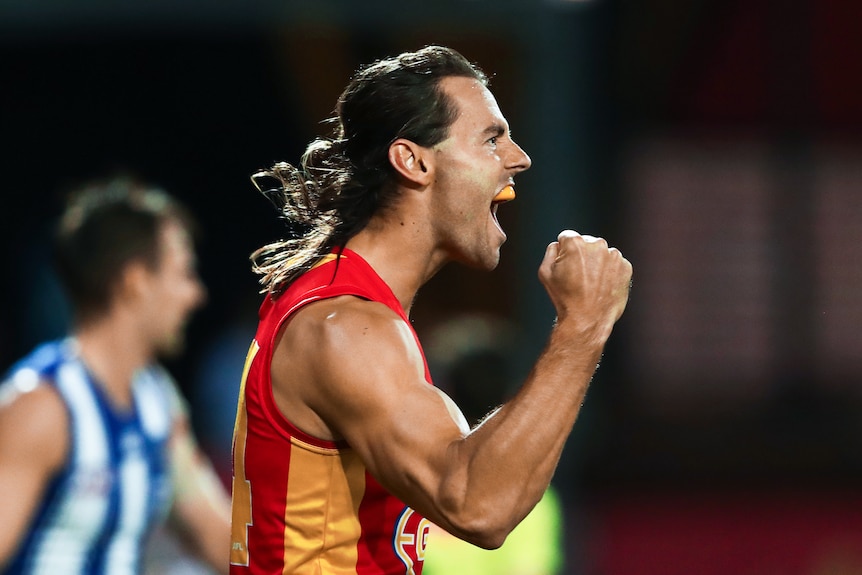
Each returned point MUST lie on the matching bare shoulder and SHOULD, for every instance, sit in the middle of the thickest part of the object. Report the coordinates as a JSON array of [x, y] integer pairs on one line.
[[345, 308], [342, 327], [343, 353], [33, 424]]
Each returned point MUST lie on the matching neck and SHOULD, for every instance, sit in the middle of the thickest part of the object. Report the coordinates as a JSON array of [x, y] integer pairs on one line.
[[112, 356], [400, 255]]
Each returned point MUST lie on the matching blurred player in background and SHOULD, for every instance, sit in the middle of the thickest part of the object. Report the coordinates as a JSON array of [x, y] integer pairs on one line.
[[95, 442]]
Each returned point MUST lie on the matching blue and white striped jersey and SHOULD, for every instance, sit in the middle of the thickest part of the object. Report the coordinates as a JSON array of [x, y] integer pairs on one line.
[[115, 487]]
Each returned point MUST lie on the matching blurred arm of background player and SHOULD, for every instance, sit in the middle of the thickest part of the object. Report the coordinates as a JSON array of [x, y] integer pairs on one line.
[[200, 514]]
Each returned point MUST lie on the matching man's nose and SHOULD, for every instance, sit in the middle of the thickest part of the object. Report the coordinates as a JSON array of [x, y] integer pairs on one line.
[[520, 160]]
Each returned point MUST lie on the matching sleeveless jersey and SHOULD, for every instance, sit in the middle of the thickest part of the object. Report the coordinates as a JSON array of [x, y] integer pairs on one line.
[[302, 505], [98, 511]]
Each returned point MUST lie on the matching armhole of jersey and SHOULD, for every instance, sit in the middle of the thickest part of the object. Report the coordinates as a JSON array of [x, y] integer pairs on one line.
[[384, 297], [72, 439], [278, 420]]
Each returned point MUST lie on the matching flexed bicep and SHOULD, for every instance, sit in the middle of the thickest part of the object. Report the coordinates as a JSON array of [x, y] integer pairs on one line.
[[357, 375]]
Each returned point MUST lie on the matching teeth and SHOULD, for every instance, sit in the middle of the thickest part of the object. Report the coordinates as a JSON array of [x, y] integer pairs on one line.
[[505, 195]]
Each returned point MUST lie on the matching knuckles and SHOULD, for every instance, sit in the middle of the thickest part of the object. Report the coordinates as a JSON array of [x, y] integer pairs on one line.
[[573, 251]]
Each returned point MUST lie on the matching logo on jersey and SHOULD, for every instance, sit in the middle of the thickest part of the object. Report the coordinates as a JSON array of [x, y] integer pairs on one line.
[[411, 535]]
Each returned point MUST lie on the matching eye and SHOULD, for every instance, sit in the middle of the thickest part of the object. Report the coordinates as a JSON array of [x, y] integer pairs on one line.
[[493, 141]]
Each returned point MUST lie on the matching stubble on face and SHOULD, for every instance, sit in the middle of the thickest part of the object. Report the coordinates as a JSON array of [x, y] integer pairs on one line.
[[469, 173]]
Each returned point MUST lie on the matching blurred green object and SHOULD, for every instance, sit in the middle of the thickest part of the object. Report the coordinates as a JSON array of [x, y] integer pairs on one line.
[[533, 548]]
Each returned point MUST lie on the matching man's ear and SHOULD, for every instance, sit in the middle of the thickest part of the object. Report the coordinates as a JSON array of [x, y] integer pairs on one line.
[[132, 281], [411, 161]]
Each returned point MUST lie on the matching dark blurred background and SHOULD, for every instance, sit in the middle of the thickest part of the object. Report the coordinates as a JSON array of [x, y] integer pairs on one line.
[[718, 144]]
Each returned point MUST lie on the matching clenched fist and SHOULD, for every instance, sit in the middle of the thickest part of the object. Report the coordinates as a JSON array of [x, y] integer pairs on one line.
[[588, 283]]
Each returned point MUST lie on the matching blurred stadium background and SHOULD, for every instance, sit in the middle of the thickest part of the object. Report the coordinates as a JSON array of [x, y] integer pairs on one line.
[[718, 144]]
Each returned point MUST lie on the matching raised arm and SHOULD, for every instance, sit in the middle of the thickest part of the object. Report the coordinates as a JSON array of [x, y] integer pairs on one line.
[[355, 366]]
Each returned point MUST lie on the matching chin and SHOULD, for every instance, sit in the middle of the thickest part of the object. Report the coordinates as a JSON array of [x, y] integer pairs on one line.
[[484, 258], [488, 261]]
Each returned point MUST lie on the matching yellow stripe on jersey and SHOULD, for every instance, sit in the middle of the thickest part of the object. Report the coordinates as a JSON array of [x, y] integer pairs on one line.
[[326, 259], [241, 517], [323, 499]]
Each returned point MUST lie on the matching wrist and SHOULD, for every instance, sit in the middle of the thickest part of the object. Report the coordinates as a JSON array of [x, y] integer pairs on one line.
[[588, 339]]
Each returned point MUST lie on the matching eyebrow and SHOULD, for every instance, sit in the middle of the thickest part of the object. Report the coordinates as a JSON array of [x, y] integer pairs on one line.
[[494, 130]]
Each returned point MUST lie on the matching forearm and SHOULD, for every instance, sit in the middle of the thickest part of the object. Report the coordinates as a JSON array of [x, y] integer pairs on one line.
[[201, 515], [505, 465], [201, 510], [203, 524]]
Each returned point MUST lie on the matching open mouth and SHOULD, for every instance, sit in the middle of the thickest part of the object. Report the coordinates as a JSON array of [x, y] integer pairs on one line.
[[505, 195]]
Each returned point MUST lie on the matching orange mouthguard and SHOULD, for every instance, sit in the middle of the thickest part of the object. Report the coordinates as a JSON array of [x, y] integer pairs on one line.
[[505, 195]]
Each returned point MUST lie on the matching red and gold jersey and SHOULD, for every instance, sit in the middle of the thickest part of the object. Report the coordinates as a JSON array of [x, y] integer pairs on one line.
[[302, 505]]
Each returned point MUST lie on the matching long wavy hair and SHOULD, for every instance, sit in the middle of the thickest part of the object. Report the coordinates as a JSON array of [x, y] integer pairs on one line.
[[344, 179]]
